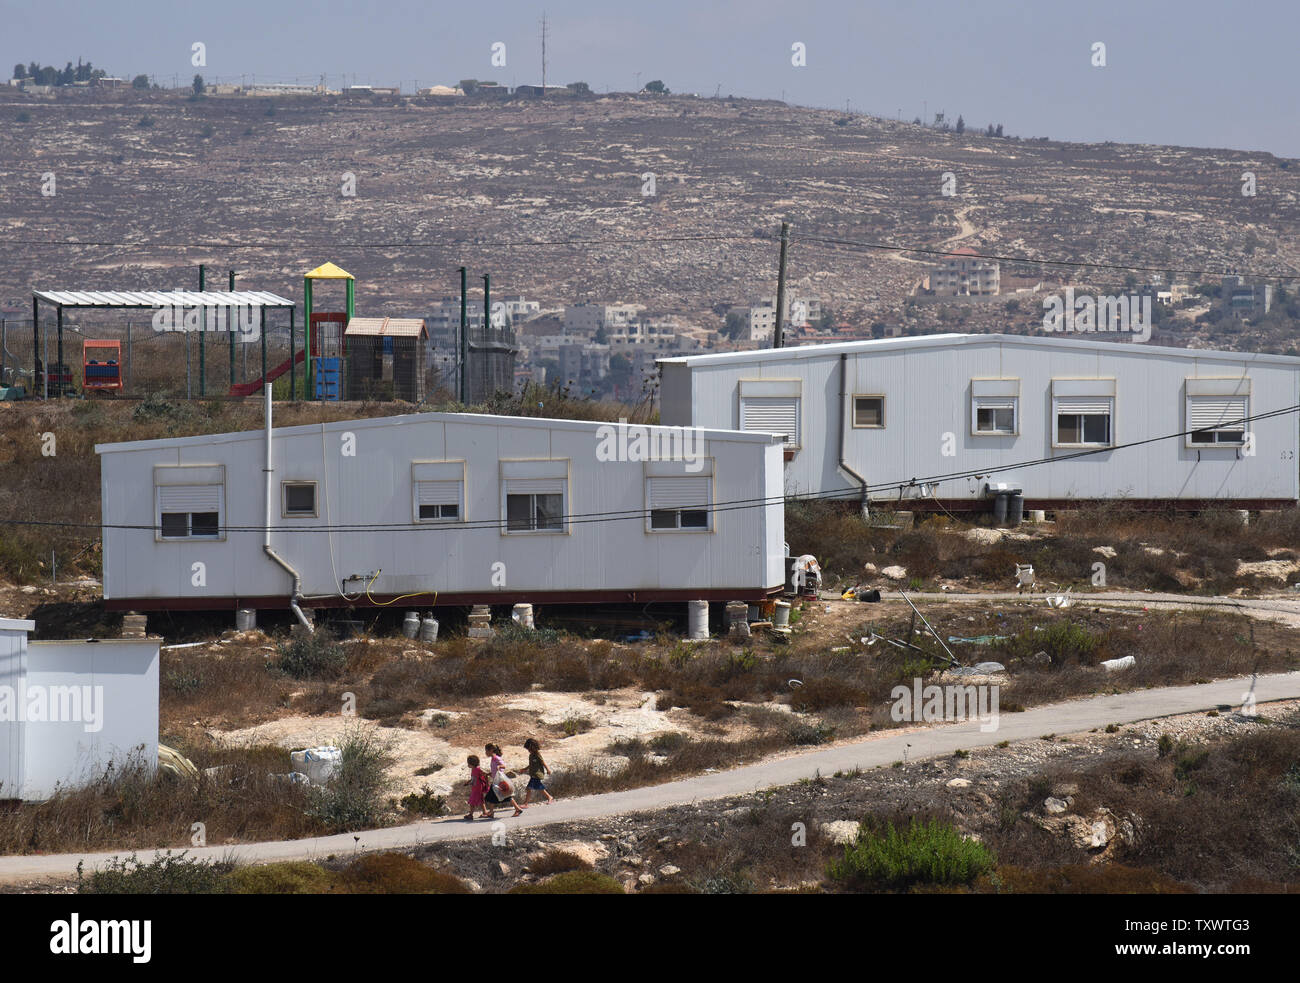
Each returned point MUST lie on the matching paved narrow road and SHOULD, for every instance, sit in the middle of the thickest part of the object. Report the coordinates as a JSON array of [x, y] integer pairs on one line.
[[1062, 718]]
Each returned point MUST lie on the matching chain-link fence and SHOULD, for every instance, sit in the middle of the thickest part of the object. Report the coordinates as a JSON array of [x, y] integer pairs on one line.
[[128, 358]]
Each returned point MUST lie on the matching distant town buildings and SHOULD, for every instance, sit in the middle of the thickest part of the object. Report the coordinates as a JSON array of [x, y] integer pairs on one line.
[[587, 319], [800, 312], [1247, 297], [964, 274]]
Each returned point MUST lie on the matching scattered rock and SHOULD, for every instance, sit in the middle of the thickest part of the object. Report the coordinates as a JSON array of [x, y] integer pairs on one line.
[[645, 880], [668, 870], [841, 831], [959, 783], [894, 573], [1107, 551], [1054, 806], [503, 868]]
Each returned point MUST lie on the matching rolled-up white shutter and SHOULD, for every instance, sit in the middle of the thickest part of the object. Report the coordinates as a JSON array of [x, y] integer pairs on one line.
[[1215, 411], [437, 493], [535, 486], [1083, 404], [189, 498], [678, 493], [995, 402], [771, 414]]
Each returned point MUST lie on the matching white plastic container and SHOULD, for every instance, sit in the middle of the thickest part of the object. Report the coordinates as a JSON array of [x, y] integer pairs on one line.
[[317, 763]]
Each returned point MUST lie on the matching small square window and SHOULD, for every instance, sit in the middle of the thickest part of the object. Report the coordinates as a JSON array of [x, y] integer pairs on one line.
[[694, 519], [300, 498], [663, 519], [868, 411]]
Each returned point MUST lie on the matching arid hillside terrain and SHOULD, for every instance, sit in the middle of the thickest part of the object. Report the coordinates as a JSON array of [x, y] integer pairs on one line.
[[494, 185]]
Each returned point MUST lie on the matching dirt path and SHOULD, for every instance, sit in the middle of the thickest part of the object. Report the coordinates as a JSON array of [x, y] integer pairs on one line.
[[1285, 610], [880, 750]]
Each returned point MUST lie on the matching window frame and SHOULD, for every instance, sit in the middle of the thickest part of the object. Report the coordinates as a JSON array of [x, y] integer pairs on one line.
[[853, 411], [1236, 389], [195, 476], [442, 472], [789, 389], [535, 478], [668, 470], [285, 485], [1083, 389]]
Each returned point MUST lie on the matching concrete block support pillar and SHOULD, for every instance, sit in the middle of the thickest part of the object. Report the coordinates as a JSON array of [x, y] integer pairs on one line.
[[738, 619], [480, 622]]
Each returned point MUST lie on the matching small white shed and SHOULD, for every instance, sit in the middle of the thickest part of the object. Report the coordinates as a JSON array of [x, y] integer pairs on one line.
[[69, 710]]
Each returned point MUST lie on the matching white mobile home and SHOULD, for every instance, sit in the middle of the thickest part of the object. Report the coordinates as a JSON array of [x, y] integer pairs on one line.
[[441, 508], [69, 710], [1054, 416]]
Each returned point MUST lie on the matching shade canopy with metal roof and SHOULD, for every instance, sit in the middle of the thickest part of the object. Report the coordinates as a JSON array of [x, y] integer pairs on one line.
[[145, 300], [105, 299], [386, 327]]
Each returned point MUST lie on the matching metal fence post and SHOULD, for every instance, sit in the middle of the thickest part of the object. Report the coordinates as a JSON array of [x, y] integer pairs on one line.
[[130, 378]]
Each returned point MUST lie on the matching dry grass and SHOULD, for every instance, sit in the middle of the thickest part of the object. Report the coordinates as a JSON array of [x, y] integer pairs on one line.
[[1152, 550]]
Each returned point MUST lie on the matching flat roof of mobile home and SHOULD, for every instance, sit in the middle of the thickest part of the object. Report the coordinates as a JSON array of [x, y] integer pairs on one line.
[[407, 419], [870, 345]]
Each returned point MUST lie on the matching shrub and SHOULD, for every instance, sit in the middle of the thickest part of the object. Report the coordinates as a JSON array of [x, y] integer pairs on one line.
[[396, 873], [167, 873], [930, 853], [314, 656], [293, 877], [425, 803], [354, 797], [573, 882]]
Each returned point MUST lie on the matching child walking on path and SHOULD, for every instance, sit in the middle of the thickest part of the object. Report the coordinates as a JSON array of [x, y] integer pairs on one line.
[[500, 790], [478, 784], [537, 770]]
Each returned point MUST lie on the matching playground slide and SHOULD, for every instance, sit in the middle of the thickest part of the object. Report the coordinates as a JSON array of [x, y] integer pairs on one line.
[[248, 388]]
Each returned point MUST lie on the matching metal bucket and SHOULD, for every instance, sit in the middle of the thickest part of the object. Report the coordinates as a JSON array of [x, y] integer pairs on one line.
[[781, 617]]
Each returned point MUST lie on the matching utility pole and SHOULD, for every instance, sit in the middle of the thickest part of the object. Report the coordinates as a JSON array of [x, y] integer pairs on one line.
[[543, 54], [778, 337], [203, 330], [464, 343]]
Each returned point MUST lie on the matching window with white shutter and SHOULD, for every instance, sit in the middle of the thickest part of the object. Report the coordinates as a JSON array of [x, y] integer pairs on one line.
[[438, 491], [771, 414], [681, 503], [535, 496], [995, 407], [1082, 412], [1217, 420], [189, 502]]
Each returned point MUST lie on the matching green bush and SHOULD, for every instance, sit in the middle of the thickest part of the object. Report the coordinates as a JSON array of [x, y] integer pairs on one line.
[[354, 795], [167, 873], [294, 877], [573, 882], [425, 802], [929, 853], [315, 656]]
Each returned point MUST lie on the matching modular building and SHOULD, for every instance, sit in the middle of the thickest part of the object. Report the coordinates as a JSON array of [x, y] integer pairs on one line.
[[948, 421], [441, 508], [72, 710]]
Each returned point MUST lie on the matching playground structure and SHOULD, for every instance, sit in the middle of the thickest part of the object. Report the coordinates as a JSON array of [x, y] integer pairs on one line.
[[343, 357]]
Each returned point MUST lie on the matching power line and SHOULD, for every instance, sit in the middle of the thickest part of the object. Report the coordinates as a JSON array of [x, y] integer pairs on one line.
[[583, 518]]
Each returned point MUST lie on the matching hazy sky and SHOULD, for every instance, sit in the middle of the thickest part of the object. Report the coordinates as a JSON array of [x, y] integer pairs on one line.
[[1191, 72]]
